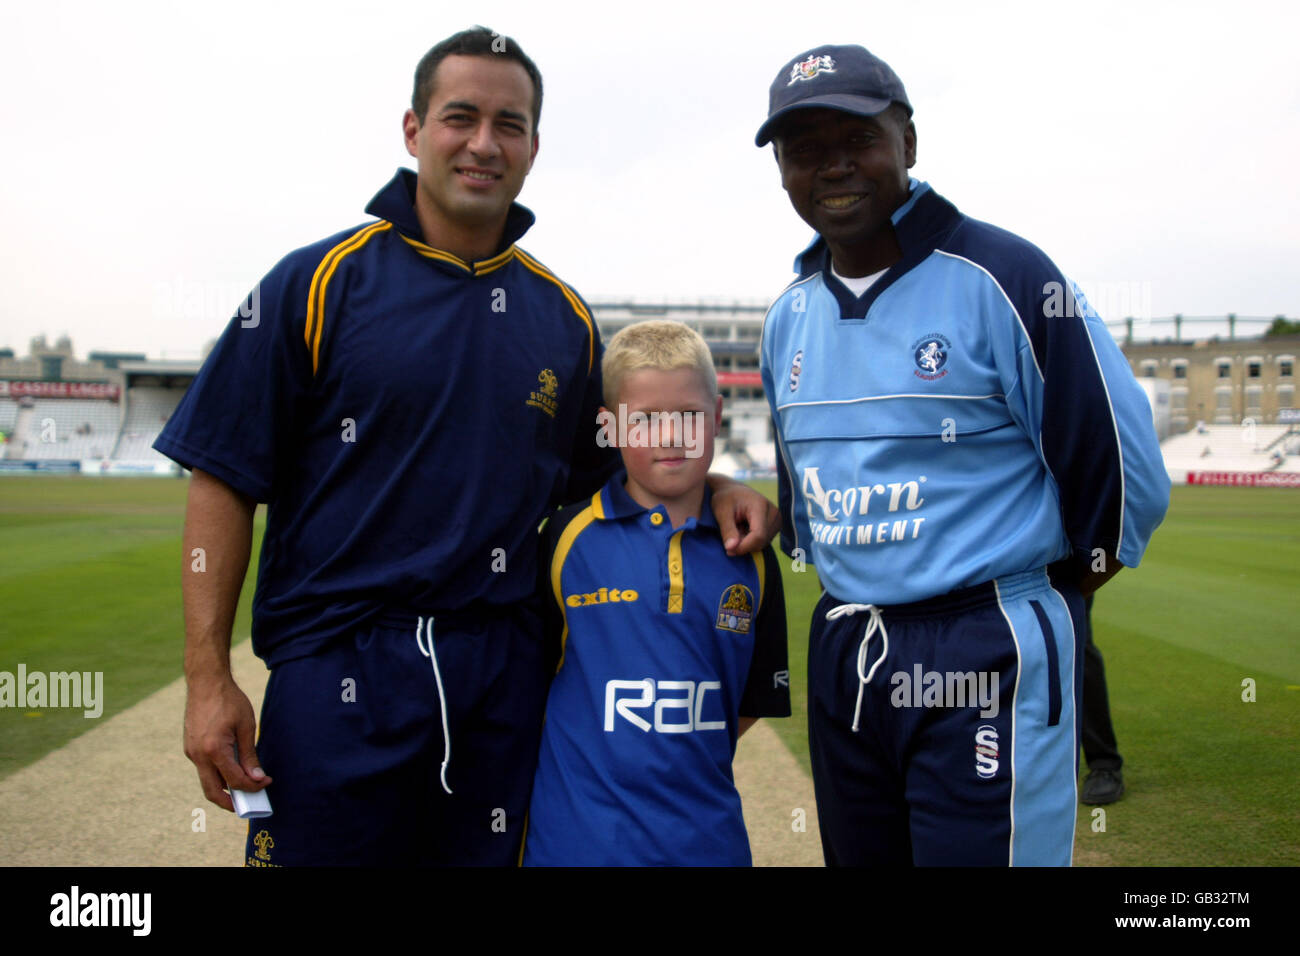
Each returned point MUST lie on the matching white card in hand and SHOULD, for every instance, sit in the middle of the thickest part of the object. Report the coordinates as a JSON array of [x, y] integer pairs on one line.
[[251, 805]]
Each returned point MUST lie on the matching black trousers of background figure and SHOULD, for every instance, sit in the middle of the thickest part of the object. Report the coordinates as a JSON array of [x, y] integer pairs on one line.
[[1099, 747]]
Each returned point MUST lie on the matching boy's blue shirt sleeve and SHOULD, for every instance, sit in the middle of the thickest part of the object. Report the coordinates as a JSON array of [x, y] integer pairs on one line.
[[767, 688], [548, 602]]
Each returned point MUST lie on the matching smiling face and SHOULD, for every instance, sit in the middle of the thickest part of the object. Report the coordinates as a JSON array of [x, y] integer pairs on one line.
[[474, 148], [846, 175], [668, 466]]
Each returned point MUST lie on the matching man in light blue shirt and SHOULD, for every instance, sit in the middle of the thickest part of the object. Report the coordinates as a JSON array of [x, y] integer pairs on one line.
[[963, 454]]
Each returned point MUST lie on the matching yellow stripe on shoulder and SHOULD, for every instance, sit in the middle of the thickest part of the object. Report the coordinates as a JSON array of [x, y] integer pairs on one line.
[[572, 297], [482, 267], [570, 534], [320, 281], [485, 266], [431, 253]]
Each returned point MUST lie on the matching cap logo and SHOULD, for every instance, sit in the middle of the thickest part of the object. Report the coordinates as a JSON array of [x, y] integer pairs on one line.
[[807, 69]]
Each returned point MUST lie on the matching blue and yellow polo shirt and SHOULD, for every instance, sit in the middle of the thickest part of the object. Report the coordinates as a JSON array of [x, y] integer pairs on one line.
[[665, 642]]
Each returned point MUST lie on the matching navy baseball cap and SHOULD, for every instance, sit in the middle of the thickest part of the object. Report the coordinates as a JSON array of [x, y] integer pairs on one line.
[[847, 78]]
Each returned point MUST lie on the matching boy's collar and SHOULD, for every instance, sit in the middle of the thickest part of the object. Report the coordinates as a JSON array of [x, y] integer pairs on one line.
[[615, 502]]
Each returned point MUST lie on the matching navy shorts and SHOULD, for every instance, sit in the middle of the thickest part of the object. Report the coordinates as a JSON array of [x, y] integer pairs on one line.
[[353, 737], [966, 743]]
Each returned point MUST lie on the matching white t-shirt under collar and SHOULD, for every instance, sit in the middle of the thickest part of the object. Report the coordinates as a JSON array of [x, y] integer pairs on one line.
[[859, 284]]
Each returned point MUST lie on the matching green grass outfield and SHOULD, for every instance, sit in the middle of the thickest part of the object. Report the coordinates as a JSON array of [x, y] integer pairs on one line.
[[90, 572], [89, 580]]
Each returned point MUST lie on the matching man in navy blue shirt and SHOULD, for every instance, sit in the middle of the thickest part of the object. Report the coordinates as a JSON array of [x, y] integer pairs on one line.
[[410, 397]]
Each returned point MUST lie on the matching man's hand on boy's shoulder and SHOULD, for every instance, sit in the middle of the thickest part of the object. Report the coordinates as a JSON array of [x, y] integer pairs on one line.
[[746, 519]]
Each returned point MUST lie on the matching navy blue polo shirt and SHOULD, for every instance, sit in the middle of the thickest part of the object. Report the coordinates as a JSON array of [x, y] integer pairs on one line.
[[666, 642], [408, 417]]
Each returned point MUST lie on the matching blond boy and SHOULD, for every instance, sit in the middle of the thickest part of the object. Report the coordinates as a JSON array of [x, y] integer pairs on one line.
[[669, 648]]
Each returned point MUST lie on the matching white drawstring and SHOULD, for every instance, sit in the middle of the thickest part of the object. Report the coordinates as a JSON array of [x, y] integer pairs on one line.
[[442, 700], [877, 623]]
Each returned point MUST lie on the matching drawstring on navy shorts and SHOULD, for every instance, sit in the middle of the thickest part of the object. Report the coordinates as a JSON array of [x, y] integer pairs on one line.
[[874, 624], [442, 699]]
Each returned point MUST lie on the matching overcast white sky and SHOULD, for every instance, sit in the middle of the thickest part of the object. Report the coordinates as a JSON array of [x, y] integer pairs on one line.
[[159, 157]]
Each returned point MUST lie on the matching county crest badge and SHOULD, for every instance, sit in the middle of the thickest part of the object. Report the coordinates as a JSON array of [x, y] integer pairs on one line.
[[262, 855], [546, 397], [736, 609], [930, 353], [811, 67]]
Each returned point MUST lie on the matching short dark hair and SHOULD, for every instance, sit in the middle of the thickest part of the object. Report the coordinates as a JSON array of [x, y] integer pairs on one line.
[[476, 41]]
